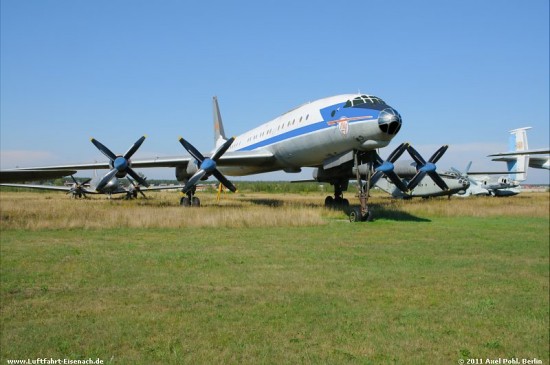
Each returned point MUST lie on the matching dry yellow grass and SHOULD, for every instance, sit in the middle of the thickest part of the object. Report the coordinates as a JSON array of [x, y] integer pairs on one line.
[[33, 210], [22, 210]]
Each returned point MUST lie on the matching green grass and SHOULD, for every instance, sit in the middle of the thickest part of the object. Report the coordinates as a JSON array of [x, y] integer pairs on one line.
[[417, 292]]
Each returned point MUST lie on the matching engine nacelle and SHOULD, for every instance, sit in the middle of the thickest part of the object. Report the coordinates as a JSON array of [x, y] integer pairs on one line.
[[183, 174]]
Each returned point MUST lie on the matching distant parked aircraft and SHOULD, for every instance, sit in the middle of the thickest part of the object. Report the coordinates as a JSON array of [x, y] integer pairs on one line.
[[519, 156]]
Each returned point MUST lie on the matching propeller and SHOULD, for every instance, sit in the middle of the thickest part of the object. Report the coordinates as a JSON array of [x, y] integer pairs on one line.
[[78, 188], [207, 165], [464, 175], [386, 168], [120, 164], [134, 189], [424, 168]]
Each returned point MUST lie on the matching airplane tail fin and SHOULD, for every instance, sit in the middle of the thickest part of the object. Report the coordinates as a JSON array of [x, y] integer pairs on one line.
[[219, 133], [518, 143]]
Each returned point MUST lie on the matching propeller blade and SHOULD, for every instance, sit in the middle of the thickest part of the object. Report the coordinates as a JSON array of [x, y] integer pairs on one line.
[[107, 152], [416, 156], [397, 181], [416, 179], [134, 148], [224, 181], [398, 152], [375, 177], [192, 150], [438, 154], [221, 150], [193, 180], [438, 180], [468, 167], [136, 177], [105, 180]]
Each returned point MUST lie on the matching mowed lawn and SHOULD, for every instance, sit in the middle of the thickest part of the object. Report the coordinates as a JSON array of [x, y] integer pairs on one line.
[[435, 291]]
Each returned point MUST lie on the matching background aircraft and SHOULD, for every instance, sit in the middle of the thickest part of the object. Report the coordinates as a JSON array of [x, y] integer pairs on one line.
[[481, 183], [413, 173], [519, 157], [89, 186]]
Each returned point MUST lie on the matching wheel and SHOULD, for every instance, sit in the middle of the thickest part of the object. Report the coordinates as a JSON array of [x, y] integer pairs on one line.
[[355, 214], [184, 202], [367, 217], [196, 202], [329, 202], [345, 203]]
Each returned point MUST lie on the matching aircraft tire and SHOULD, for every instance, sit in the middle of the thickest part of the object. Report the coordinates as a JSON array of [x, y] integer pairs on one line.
[[355, 215], [368, 217], [184, 202], [329, 202], [196, 202]]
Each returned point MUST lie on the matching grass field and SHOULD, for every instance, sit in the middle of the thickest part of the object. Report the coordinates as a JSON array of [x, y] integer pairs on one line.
[[273, 279]]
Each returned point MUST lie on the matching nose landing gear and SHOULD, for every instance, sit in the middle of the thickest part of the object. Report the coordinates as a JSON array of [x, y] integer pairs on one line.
[[361, 213]]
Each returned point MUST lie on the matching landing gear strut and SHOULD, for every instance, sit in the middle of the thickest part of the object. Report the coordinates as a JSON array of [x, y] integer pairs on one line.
[[361, 213], [338, 201], [190, 200]]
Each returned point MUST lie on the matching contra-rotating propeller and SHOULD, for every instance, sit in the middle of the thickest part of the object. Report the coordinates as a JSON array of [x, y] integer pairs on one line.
[[120, 164], [386, 168], [424, 168], [207, 165]]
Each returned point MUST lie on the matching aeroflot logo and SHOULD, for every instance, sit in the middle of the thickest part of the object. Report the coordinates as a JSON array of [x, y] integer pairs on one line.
[[343, 123]]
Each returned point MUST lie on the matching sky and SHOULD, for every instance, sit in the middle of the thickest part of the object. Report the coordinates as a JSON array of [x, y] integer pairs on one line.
[[461, 73]]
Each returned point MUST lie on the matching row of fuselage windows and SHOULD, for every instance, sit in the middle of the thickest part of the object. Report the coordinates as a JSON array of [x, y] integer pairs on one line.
[[273, 130]]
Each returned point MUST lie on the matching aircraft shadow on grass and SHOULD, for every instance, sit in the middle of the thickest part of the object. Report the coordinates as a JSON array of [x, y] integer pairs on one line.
[[273, 203], [381, 212]]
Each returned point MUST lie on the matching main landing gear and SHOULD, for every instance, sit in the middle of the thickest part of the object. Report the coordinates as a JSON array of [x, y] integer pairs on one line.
[[355, 214], [190, 200], [338, 201]]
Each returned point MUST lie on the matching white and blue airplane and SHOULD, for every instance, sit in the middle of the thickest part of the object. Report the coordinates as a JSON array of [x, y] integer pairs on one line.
[[337, 135], [519, 156]]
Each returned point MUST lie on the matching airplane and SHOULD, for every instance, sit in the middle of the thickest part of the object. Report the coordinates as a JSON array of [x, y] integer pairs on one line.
[[90, 186], [520, 156], [337, 135], [482, 185], [426, 188]]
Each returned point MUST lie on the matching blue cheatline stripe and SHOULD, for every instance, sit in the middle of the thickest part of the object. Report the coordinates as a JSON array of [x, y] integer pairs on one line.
[[297, 132]]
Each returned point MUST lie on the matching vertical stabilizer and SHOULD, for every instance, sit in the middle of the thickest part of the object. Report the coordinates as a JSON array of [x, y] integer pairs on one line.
[[219, 133], [518, 143]]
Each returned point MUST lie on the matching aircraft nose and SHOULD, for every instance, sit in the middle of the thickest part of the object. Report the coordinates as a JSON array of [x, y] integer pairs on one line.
[[389, 121]]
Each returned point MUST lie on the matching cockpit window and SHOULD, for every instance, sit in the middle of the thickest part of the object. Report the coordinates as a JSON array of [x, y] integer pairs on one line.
[[364, 99]]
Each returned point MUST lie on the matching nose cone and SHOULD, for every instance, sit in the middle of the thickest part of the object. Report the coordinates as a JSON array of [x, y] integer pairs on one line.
[[389, 121]]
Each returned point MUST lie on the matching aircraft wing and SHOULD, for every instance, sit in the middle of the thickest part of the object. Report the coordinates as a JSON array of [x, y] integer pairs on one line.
[[160, 187], [521, 153], [46, 187], [233, 158], [12, 176]]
